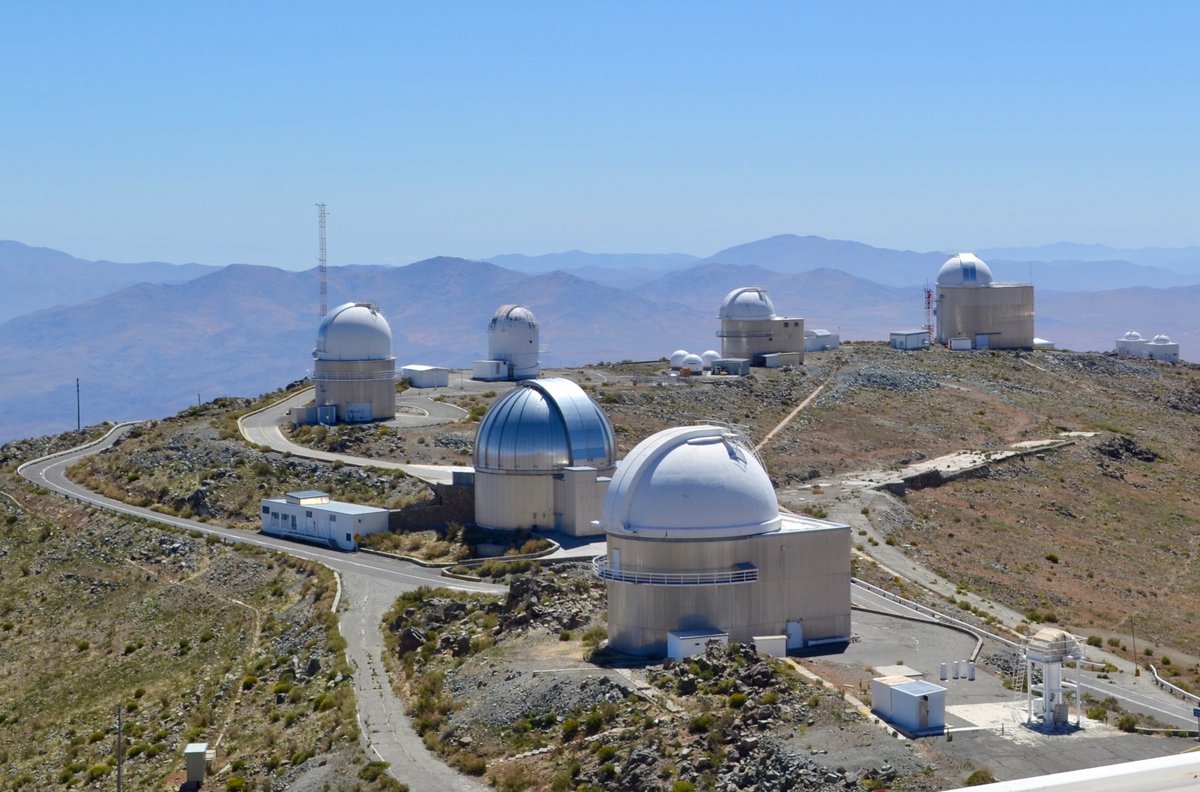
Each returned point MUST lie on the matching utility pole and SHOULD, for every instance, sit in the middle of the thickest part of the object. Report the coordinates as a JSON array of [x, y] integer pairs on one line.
[[78, 422], [321, 262], [120, 746]]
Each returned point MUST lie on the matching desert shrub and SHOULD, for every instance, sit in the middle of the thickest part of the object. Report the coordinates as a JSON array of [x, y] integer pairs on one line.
[[737, 701], [980, 777], [1094, 640]]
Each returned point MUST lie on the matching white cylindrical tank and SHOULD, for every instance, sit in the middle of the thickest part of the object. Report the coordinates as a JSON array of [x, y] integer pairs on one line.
[[677, 359], [514, 337]]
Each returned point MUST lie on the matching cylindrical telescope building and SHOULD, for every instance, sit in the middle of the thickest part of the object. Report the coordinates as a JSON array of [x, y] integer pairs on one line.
[[982, 314], [354, 370]]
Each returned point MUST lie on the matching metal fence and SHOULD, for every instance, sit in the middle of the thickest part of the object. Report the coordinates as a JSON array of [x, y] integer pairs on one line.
[[647, 577]]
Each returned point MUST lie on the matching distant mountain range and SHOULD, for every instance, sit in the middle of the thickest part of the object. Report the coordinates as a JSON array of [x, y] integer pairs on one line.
[[151, 348]]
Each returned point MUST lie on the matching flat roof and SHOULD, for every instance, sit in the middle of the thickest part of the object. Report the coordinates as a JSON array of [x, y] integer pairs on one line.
[[910, 332], [698, 634], [308, 494], [919, 687], [792, 523], [898, 671], [336, 507], [423, 367]]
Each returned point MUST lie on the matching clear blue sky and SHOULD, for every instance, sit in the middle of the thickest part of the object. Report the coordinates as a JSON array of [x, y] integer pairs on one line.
[[206, 131]]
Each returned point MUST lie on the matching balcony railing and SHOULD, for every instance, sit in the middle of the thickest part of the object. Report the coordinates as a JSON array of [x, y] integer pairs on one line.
[[742, 573]]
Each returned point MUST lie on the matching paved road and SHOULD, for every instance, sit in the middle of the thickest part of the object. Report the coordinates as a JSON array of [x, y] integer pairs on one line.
[[370, 584], [262, 428]]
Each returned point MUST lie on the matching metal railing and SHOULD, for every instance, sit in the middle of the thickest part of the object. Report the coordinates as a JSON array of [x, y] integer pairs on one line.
[[936, 615], [369, 376], [648, 577], [1186, 696]]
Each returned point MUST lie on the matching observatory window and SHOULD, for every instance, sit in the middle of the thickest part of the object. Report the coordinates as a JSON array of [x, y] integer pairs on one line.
[[266, 509], [308, 513], [333, 518]]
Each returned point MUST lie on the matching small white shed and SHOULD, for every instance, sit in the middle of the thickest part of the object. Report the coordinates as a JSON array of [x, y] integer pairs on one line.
[[820, 340], [771, 645], [422, 376], [682, 644], [911, 705], [910, 339]]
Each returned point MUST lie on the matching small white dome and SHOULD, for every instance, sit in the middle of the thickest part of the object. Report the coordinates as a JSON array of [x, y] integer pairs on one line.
[[691, 482], [747, 302], [1161, 339], [964, 269], [1132, 335], [354, 331], [694, 362], [708, 356], [677, 358]]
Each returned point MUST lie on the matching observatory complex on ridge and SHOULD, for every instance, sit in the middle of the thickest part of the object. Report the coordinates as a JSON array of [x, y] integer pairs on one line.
[[513, 346], [697, 545], [974, 312], [354, 370]]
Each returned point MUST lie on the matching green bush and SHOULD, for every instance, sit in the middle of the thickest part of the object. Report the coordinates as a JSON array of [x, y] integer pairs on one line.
[[235, 783], [737, 701], [683, 786], [570, 728], [1095, 640], [980, 777], [1097, 713], [373, 770], [1127, 723]]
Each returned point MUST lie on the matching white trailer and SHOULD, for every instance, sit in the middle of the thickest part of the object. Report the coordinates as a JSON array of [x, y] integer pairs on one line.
[[310, 516]]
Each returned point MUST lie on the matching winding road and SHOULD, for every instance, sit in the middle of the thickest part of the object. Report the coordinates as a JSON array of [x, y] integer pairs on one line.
[[369, 585]]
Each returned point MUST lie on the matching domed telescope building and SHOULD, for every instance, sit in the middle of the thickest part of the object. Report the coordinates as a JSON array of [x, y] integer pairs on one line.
[[975, 312], [750, 330], [513, 346], [544, 453], [354, 372], [697, 545]]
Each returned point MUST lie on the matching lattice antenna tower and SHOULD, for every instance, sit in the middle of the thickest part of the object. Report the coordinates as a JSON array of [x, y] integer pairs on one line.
[[322, 264], [928, 309]]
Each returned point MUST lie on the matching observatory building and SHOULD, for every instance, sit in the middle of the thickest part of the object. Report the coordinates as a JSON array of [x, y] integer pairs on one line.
[[354, 373], [974, 312], [543, 456], [750, 329], [697, 545], [513, 346], [1161, 347]]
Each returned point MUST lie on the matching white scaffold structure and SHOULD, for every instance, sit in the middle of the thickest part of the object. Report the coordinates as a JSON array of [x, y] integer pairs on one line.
[[1051, 648]]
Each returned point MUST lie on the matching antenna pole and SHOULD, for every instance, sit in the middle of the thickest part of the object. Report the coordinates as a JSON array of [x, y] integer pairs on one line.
[[321, 261], [120, 746], [78, 422]]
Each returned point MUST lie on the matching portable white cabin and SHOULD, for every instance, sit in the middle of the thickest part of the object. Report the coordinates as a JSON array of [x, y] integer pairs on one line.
[[421, 376], [310, 516], [682, 644], [910, 339]]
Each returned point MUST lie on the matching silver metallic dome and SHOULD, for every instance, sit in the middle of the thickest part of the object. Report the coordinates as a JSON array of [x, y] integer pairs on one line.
[[544, 425]]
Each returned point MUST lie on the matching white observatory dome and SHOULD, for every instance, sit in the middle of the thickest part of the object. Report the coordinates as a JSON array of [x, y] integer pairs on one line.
[[354, 331], [1161, 339], [691, 482], [747, 302], [544, 425], [964, 269], [694, 362], [677, 358], [1132, 335], [708, 356], [512, 319]]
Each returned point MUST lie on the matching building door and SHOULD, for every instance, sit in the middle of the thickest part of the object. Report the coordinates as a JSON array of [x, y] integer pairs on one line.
[[981, 340], [616, 559], [923, 713]]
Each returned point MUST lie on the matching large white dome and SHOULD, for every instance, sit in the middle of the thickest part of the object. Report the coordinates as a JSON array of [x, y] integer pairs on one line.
[[691, 482], [747, 302], [964, 269], [354, 331]]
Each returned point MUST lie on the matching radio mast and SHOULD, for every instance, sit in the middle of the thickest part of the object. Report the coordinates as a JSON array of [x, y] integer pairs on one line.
[[321, 262]]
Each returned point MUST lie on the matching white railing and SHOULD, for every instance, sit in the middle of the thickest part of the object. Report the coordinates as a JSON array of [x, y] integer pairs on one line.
[[648, 577], [1192, 697], [936, 615], [370, 376]]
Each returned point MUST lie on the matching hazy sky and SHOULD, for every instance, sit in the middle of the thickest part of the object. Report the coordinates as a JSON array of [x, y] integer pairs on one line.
[[206, 131]]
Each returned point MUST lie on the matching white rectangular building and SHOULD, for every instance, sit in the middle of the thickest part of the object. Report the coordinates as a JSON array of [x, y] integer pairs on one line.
[[310, 516], [820, 340], [682, 644], [421, 376], [911, 705], [910, 339]]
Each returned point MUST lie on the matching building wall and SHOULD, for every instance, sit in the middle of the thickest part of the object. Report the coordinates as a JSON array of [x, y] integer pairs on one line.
[[509, 501], [1005, 311], [748, 338], [803, 575], [346, 382]]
